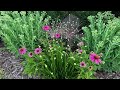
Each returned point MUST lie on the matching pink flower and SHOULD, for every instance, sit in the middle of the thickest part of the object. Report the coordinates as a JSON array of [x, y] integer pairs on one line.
[[57, 35], [46, 28], [80, 51], [95, 58], [22, 51], [38, 50], [82, 64], [30, 54]]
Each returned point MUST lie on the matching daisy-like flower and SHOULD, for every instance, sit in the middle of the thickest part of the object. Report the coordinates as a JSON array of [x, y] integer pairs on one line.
[[46, 28], [57, 35], [30, 54], [22, 51], [82, 64], [95, 58], [37, 50]]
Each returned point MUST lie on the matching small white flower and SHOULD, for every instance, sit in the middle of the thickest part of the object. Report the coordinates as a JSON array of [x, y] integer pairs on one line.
[[51, 73], [74, 63]]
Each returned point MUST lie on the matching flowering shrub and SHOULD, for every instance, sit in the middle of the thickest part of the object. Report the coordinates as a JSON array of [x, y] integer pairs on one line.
[[21, 29], [102, 36]]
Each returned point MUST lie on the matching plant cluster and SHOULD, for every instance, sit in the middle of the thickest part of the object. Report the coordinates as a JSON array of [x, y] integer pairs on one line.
[[47, 46], [102, 36]]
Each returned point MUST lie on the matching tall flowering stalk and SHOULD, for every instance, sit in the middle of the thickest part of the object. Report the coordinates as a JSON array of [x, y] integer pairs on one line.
[[67, 28]]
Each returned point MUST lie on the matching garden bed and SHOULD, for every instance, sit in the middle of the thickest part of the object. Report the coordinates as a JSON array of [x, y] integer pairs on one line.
[[13, 69], [60, 49]]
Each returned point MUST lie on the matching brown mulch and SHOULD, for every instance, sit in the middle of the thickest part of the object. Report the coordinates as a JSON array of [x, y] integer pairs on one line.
[[11, 66], [105, 75]]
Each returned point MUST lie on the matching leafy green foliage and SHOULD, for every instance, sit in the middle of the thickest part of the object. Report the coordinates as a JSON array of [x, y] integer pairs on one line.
[[21, 29], [102, 36], [58, 62]]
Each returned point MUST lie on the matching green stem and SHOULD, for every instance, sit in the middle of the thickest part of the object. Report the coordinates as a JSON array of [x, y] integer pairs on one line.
[[107, 52]]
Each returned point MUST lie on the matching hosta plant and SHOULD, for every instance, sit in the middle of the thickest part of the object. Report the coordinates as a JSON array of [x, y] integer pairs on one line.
[[102, 36]]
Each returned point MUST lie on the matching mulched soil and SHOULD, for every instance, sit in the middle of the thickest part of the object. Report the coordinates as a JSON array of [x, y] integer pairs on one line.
[[11, 66], [104, 75]]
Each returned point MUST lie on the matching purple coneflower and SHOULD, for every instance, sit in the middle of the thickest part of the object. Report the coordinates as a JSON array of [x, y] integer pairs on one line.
[[82, 64], [38, 51], [95, 58], [22, 51]]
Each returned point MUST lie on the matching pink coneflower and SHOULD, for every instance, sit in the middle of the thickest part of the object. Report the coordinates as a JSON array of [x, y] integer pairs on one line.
[[57, 35], [46, 28], [22, 51], [95, 58], [30, 54], [82, 64], [38, 51]]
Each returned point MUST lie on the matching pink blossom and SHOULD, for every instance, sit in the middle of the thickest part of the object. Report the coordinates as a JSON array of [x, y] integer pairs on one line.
[[22, 51], [46, 28], [82, 64], [38, 51], [80, 51], [30, 54], [57, 35], [95, 58]]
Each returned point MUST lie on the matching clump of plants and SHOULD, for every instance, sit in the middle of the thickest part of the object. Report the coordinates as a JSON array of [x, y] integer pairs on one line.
[[55, 61], [102, 36], [22, 29], [42, 45]]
